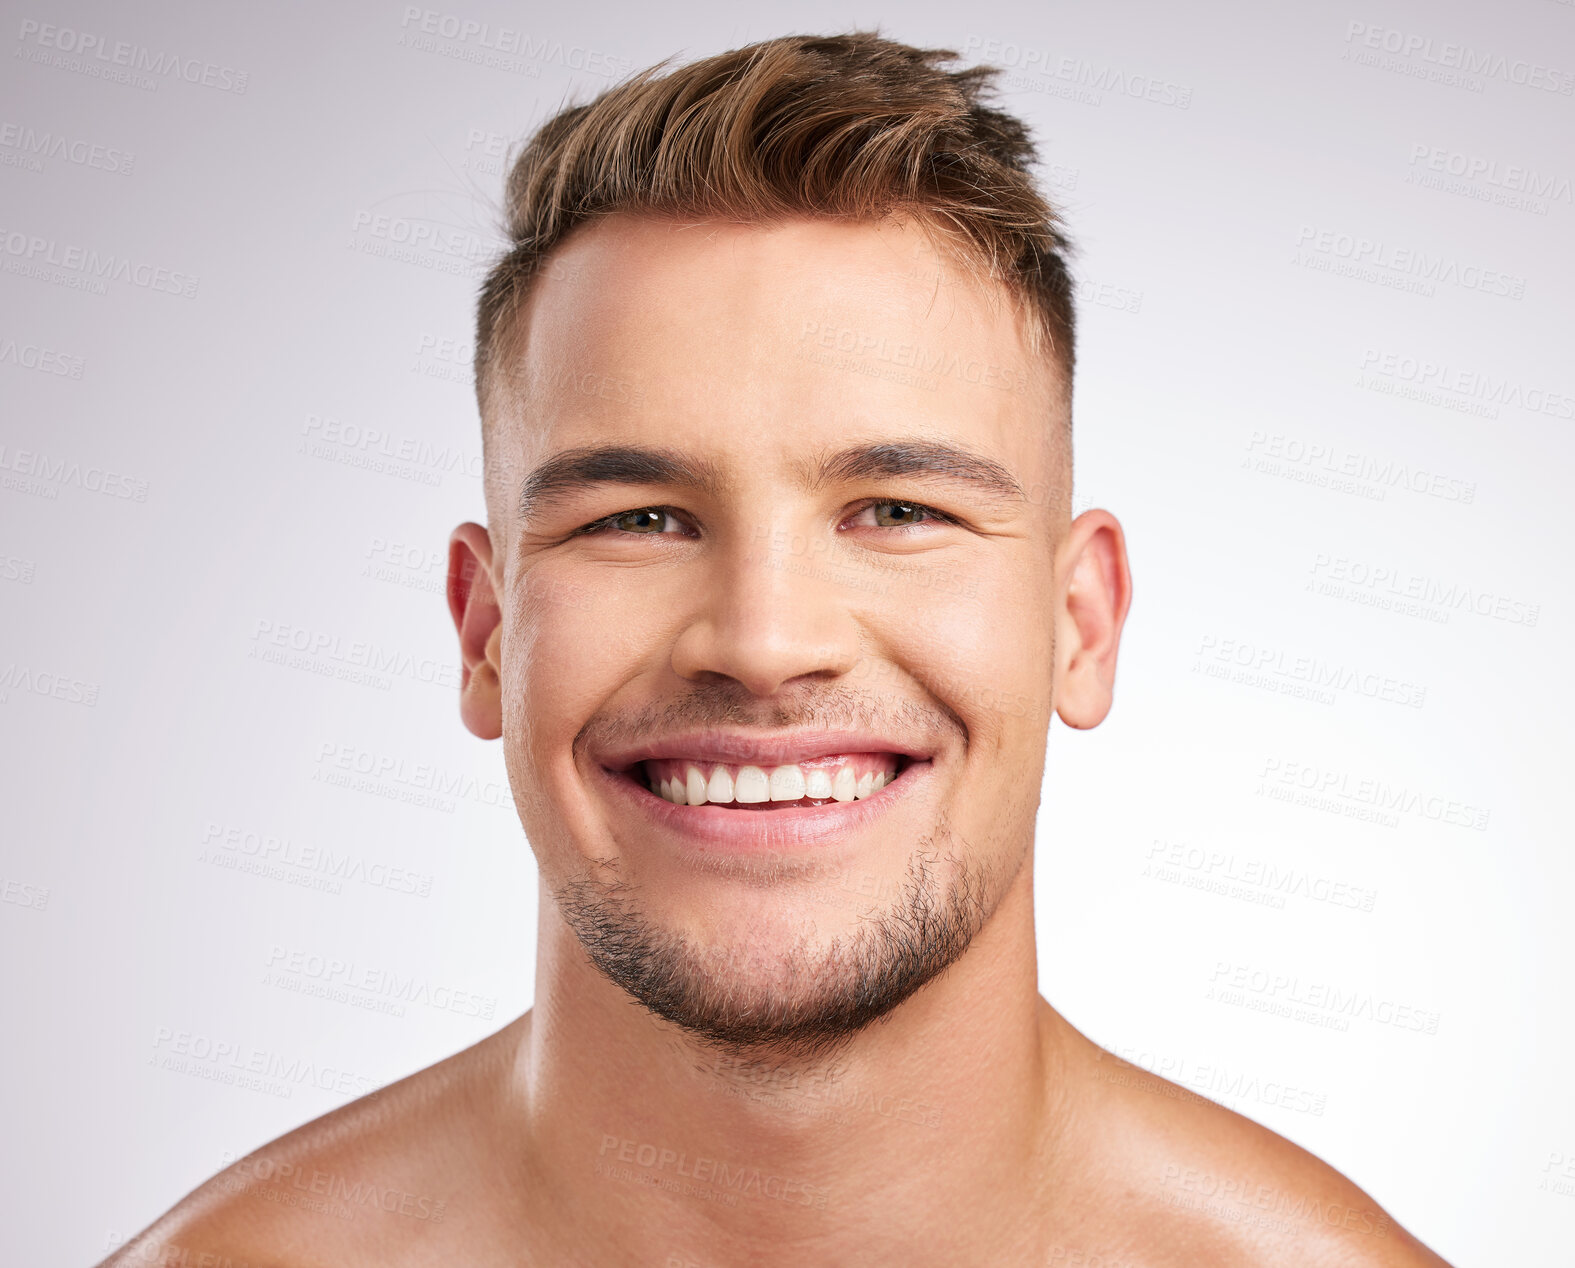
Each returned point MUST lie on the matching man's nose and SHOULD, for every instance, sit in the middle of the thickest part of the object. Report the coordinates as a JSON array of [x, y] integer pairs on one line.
[[769, 616]]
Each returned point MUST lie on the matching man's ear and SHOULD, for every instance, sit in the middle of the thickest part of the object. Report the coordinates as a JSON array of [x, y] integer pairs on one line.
[[1093, 558], [479, 621]]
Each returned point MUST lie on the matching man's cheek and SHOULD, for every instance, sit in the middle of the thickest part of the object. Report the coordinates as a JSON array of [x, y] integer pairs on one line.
[[559, 656], [554, 680], [551, 661], [978, 650]]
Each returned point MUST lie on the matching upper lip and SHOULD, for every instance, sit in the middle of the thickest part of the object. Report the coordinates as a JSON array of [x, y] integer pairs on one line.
[[732, 747]]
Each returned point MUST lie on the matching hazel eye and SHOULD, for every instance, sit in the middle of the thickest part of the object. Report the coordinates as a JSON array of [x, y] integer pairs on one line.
[[648, 519], [899, 514], [642, 521]]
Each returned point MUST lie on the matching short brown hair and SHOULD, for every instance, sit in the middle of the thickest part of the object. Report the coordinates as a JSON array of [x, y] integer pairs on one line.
[[852, 126]]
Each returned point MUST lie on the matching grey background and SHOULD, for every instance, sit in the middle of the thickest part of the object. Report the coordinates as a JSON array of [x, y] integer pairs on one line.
[[1293, 224]]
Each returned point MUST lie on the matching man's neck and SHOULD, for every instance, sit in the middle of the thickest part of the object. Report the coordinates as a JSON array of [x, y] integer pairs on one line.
[[926, 1128]]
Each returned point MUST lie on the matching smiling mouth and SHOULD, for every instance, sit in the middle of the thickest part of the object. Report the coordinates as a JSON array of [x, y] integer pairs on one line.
[[821, 781]]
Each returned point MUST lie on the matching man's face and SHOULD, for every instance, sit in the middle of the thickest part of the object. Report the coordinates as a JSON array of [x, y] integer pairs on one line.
[[774, 555]]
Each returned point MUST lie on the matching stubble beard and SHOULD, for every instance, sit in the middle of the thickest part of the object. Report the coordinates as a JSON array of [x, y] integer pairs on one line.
[[799, 1006]]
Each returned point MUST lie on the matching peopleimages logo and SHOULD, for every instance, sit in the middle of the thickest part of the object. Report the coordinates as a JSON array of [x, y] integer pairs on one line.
[[31, 254], [1446, 56], [269, 1180], [1321, 997], [1397, 582], [45, 475], [44, 682], [227, 845], [1215, 1082], [487, 44], [1072, 70], [373, 449], [1511, 177], [1433, 380], [423, 783], [1228, 1197], [99, 57], [1340, 785], [362, 654], [33, 146], [1404, 267], [326, 976], [1379, 473], [1223, 866], [29, 356], [915, 356], [228, 1060], [734, 1178], [421, 234], [1310, 670]]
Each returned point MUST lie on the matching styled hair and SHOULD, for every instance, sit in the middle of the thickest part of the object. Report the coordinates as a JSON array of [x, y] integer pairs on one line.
[[855, 127]]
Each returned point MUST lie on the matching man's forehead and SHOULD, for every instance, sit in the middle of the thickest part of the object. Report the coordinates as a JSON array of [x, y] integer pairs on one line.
[[723, 298], [635, 246], [756, 346]]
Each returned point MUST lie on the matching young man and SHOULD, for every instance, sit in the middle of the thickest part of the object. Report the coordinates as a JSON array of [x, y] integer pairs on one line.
[[778, 591]]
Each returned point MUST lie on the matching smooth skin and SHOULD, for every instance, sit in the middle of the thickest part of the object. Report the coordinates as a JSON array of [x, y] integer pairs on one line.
[[971, 1124]]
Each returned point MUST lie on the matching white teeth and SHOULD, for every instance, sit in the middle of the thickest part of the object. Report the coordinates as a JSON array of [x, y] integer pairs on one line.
[[694, 787], [751, 786], [754, 784], [787, 783]]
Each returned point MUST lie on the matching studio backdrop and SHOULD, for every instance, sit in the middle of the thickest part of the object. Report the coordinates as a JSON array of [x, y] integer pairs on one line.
[[1315, 865]]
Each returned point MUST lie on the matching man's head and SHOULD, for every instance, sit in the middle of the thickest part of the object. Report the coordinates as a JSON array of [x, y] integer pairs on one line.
[[845, 128], [780, 587]]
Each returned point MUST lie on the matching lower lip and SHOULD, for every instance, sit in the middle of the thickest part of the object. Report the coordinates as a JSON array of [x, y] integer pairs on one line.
[[792, 827]]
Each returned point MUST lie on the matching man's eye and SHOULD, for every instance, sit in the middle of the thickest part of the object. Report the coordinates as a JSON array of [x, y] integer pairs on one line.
[[894, 514], [899, 514], [647, 521]]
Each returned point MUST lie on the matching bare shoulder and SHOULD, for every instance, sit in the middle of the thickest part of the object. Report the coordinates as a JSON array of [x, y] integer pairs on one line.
[[383, 1177], [1205, 1184]]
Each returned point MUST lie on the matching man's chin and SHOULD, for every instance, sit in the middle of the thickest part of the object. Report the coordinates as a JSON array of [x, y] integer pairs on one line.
[[782, 974]]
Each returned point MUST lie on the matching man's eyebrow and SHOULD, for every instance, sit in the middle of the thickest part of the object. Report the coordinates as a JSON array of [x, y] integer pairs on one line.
[[922, 458], [575, 469]]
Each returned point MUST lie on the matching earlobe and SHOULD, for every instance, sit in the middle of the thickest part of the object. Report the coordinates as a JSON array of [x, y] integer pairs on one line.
[[473, 605], [1090, 618]]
